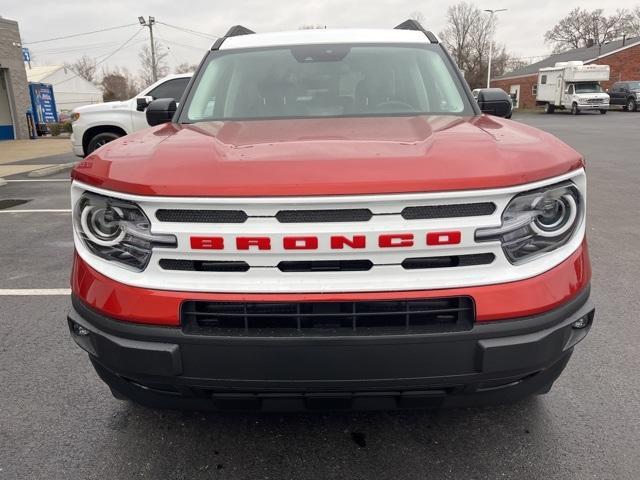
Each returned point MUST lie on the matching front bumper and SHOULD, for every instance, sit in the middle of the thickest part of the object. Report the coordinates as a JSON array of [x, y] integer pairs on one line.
[[592, 106], [493, 362], [76, 144]]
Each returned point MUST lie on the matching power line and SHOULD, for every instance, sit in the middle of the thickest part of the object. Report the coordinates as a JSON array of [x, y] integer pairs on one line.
[[105, 58], [177, 44], [193, 32], [79, 34], [82, 48]]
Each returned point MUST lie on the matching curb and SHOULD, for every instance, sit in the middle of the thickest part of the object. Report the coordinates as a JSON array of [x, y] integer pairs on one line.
[[3, 182], [43, 172]]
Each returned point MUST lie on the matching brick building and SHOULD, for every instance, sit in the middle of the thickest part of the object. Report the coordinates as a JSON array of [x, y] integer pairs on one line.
[[622, 56], [14, 89]]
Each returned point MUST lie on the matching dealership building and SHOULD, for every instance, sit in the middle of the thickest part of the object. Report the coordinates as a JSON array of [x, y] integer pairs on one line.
[[14, 88], [622, 56]]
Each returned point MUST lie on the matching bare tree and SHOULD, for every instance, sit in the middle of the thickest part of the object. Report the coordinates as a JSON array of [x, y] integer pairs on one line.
[[633, 23], [468, 35], [146, 63], [118, 84], [582, 28], [84, 67], [186, 67]]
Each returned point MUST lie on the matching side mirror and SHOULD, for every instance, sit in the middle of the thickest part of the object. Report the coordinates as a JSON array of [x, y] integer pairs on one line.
[[143, 102], [495, 101], [161, 111]]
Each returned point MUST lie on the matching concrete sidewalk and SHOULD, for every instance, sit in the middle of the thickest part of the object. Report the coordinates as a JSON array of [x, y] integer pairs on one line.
[[45, 153], [17, 150]]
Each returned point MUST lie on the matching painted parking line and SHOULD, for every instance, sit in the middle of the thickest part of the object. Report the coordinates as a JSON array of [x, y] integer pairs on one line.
[[7, 292], [39, 180], [43, 210]]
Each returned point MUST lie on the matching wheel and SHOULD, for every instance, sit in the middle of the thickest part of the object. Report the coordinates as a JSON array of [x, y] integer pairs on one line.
[[100, 140], [548, 108], [603, 112], [574, 109], [632, 106]]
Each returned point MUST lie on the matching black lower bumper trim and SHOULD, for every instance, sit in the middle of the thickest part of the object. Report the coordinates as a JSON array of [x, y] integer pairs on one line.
[[491, 363]]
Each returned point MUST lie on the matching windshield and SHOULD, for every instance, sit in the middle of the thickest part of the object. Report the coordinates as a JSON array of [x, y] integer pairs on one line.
[[588, 88], [325, 81], [634, 85]]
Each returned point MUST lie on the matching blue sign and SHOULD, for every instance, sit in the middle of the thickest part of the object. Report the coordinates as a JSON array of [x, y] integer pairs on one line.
[[43, 103], [26, 56]]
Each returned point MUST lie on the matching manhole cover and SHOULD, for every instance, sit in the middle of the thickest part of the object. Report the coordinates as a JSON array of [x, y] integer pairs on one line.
[[11, 202]]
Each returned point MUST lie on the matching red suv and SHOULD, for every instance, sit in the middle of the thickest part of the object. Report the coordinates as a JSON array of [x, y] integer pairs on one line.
[[329, 221]]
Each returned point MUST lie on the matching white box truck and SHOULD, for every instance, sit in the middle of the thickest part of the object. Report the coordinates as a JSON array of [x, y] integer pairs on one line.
[[574, 86]]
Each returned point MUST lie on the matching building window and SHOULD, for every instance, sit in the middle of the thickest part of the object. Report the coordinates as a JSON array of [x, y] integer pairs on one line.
[[534, 89], [543, 79]]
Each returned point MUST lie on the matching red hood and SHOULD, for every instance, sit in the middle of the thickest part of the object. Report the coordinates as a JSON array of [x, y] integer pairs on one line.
[[327, 157]]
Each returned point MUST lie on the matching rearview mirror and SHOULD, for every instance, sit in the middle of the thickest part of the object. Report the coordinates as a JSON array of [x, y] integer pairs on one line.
[[143, 102], [161, 111], [495, 101]]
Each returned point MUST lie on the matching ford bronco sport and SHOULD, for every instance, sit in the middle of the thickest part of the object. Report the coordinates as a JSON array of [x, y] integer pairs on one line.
[[328, 220]]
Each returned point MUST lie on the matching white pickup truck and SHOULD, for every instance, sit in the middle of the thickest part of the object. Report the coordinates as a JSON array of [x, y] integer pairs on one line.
[[96, 125], [574, 86]]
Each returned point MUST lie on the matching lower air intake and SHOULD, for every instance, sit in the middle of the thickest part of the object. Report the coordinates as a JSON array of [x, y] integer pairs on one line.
[[363, 318]]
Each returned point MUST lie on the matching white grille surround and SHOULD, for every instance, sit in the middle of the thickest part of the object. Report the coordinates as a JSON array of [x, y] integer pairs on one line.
[[387, 273]]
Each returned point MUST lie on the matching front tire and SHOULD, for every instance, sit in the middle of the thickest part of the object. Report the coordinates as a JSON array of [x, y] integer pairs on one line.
[[101, 139], [632, 106], [548, 108], [603, 112], [574, 109]]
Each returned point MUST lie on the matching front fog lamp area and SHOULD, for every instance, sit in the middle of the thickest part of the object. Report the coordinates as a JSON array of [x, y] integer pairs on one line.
[[117, 231], [537, 222]]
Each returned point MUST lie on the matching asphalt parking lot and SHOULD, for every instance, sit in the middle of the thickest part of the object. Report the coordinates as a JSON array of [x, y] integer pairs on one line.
[[58, 421]]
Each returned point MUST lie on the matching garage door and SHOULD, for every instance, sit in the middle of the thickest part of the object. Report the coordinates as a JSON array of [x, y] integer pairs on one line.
[[6, 121]]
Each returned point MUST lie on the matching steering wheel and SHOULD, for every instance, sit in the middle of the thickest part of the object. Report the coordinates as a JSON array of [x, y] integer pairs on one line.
[[390, 104]]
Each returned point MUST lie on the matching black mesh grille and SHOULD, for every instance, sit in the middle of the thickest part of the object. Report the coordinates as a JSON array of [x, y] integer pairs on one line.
[[202, 216], [448, 211], [203, 265], [448, 261], [326, 266], [325, 216], [328, 318]]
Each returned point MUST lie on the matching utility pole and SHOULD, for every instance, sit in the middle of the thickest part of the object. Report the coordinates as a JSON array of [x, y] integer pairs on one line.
[[149, 23], [491, 13]]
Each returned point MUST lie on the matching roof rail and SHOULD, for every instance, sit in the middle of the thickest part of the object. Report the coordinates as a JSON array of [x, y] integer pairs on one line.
[[234, 31], [415, 25]]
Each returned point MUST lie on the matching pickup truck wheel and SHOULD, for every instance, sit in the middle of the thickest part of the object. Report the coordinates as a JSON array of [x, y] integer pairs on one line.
[[603, 112], [100, 140], [632, 106], [548, 108], [574, 109]]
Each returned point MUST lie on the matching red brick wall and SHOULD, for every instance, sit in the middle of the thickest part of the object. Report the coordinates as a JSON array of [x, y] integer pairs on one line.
[[625, 65], [527, 99]]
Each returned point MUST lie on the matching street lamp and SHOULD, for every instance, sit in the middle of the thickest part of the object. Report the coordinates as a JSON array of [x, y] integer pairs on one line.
[[491, 13]]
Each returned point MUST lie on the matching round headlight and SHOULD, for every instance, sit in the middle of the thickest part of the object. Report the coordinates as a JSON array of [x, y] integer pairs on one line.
[[117, 230], [537, 222], [102, 225], [558, 215]]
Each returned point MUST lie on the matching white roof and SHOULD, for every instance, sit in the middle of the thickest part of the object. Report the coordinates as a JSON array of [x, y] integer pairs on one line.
[[320, 36], [38, 74]]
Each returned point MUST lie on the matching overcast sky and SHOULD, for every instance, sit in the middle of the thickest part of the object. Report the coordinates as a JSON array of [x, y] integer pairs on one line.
[[521, 28]]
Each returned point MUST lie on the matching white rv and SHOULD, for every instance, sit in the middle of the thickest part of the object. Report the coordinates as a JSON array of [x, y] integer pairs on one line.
[[573, 85]]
